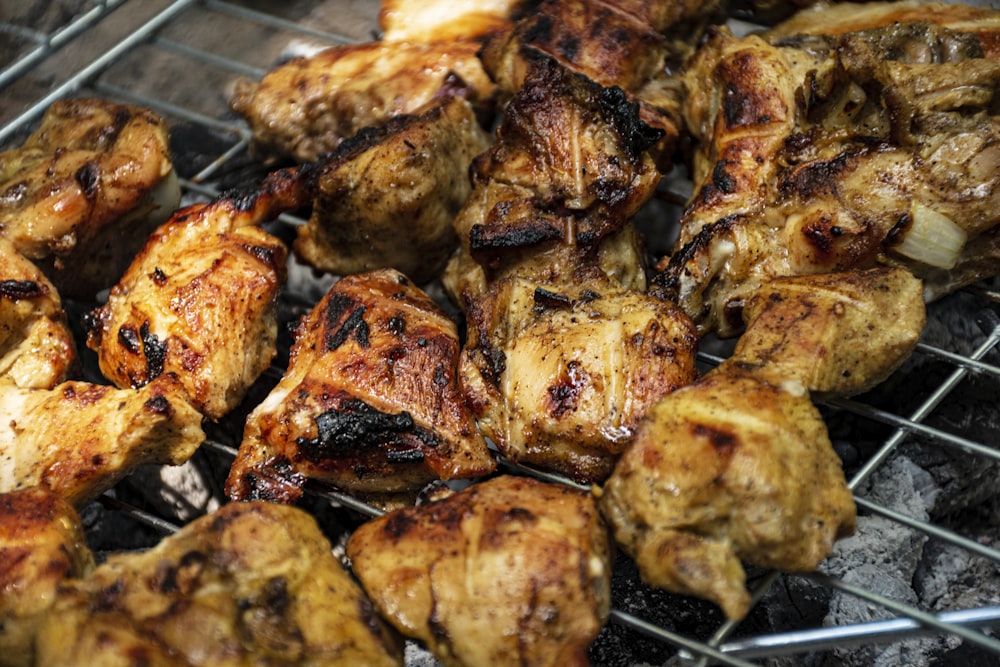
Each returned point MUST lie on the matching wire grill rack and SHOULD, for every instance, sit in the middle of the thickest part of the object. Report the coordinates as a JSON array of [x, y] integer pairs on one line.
[[181, 58]]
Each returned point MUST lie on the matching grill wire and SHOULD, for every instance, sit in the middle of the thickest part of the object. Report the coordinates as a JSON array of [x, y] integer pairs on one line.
[[150, 53]]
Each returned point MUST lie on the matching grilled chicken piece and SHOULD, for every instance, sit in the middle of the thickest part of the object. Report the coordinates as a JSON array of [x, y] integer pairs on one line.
[[369, 402], [81, 195], [80, 439], [37, 350], [822, 154], [41, 543], [837, 334], [511, 571], [560, 379], [426, 21], [251, 584], [728, 468], [387, 197], [307, 106], [569, 169], [199, 300]]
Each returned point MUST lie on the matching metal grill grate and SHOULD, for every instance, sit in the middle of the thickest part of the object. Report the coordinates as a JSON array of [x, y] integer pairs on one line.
[[180, 58]]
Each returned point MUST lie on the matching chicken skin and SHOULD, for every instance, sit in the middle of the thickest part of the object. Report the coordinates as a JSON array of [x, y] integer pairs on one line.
[[511, 571], [199, 300], [251, 584], [37, 349], [83, 192], [41, 543], [428, 21], [729, 468], [827, 153], [560, 379], [369, 403], [387, 197], [80, 439]]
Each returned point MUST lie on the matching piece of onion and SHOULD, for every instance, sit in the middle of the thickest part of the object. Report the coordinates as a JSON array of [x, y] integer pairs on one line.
[[933, 238]]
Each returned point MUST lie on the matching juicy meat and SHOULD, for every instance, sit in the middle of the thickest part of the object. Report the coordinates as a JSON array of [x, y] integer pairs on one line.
[[729, 468], [428, 21], [510, 571], [37, 349], [251, 584], [80, 439], [199, 300], [83, 192], [369, 402], [837, 334], [387, 197], [307, 106], [41, 543], [561, 378], [826, 153]]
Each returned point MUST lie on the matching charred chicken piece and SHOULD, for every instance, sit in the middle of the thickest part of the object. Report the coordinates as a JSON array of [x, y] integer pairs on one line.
[[827, 153], [561, 379], [41, 543], [83, 192], [369, 402], [387, 197], [199, 300], [37, 350], [251, 584], [507, 571], [569, 169], [729, 468], [304, 108], [80, 439], [837, 334]]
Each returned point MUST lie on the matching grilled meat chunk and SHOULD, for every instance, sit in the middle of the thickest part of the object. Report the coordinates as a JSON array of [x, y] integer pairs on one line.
[[387, 197], [369, 402], [511, 571], [251, 584], [560, 379], [826, 153], [199, 300], [83, 192], [307, 106], [569, 169], [729, 468], [80, 439], [426, 21], [837, 334], [37, 349], [41, 543]]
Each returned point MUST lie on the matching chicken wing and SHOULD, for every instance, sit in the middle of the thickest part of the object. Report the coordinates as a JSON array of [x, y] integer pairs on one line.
[[37, 349], [826, 153], [511, 571], [80, 439], [41, 543], [251, 584], [560, 379], [387, 197], [199, 300], [728, 468], [369, 402], [85, 190]]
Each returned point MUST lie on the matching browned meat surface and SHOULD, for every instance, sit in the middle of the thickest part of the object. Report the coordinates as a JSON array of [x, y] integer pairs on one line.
[[41, 543], [825, 153], [445, 20], [82, 193], [387, 197], [37, 350], [559, 378], [728, 469], [80, 439], [511, 571], [251, 584], [199, 300], [369, 402]]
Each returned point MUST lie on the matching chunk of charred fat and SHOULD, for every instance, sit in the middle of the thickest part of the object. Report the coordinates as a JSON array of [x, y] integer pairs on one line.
[[369, 403]]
